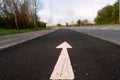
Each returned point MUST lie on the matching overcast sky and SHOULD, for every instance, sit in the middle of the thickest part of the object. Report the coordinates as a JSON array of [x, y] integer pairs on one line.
[[71, 10]]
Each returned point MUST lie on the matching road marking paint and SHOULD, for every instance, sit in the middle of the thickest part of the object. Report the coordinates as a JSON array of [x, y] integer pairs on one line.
[[63, 68]]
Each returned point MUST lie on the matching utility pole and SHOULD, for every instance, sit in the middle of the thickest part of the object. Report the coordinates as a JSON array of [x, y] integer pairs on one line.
[[51, 13], [119, 11]]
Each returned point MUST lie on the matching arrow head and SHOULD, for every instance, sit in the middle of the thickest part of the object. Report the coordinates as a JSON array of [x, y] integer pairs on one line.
[[64, 45]]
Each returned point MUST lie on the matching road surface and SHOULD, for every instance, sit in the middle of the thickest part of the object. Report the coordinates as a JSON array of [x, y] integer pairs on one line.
[[108, 33], [10, 40], [90, 58]]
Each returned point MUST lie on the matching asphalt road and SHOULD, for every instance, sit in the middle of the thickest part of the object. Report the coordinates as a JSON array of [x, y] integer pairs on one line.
[[91, 58], [108, 33]]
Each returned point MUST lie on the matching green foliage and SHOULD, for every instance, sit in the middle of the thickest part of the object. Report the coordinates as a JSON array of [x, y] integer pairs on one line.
[[14, 31], [18, 14], [67, 24], [108, 15], [85, 22], [59, 25], [78, 22], [41, 24]]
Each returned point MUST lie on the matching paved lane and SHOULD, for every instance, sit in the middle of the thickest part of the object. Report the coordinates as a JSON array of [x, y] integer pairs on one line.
[[108, 33], [91, 58]]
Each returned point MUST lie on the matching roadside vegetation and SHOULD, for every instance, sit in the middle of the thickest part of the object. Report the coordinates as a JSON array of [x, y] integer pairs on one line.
[[20, 14], [15, 31], [108, 15]]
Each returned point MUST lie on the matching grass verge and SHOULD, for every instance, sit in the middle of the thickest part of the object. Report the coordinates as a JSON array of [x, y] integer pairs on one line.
[[14, 31]]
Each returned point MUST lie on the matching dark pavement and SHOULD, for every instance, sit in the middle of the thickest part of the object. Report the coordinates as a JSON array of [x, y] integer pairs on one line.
[[91, 58]]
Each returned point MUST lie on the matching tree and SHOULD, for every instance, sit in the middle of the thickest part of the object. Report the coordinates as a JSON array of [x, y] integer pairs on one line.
[[37, 4], [59, 25], [116, 12], [108, 15], [105, 15], [19, 14], [67, 24], [85, 22], [15, 12], [78, 22]]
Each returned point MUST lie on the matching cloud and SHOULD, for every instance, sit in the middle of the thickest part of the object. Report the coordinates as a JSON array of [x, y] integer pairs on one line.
[[101, 0], [105, 1], [71, 10]]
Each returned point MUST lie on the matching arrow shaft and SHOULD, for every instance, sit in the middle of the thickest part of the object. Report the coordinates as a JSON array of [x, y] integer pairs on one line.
[[63, 68]]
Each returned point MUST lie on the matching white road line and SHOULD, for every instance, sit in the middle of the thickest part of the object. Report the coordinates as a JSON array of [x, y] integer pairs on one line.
[[63, 68]]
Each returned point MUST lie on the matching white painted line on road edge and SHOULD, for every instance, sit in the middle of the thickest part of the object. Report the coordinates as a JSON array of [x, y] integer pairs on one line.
[[63, 68]]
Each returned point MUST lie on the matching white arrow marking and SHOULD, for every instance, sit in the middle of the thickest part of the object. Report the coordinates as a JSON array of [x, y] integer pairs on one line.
[[63, 68]]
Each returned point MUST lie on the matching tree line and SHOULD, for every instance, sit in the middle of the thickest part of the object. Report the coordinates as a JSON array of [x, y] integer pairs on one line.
[[108, 15], [79, 22], [19, 14]]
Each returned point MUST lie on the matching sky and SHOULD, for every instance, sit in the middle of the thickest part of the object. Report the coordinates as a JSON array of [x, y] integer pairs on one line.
[[71, 10]]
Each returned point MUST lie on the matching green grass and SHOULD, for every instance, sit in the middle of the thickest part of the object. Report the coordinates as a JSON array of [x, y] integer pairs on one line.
[[14, 31]]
